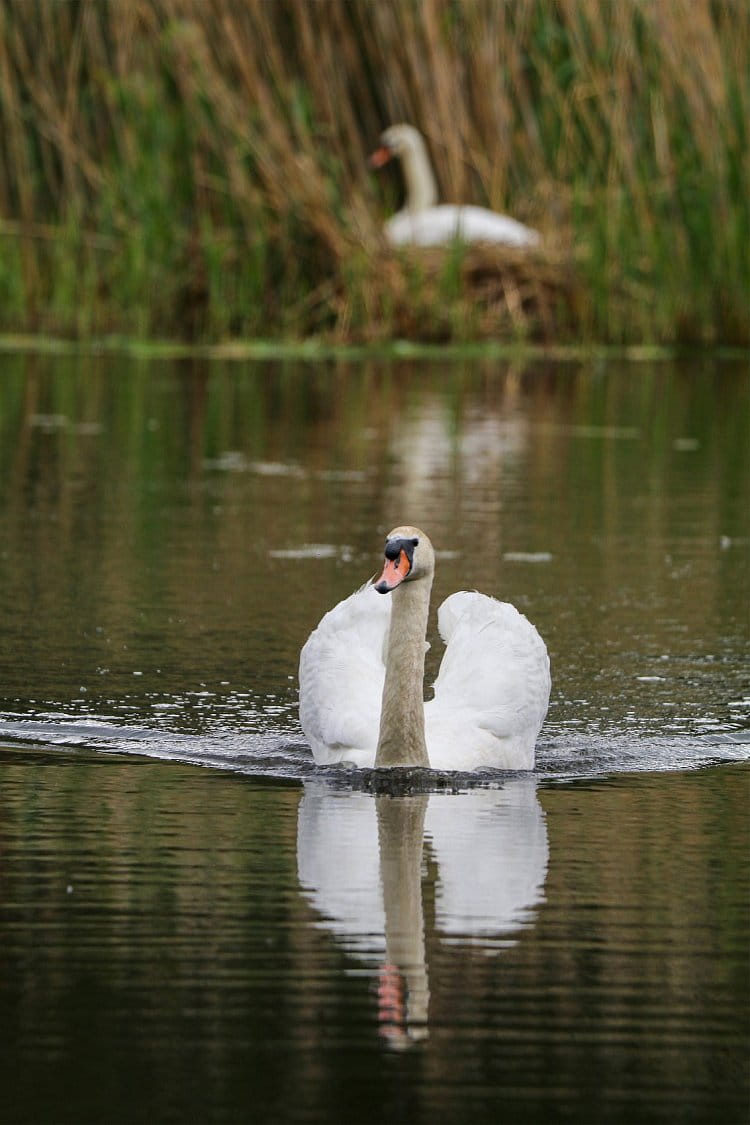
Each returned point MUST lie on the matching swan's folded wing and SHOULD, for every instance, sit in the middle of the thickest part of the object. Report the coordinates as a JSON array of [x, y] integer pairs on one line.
[[441, 225], [492, 691], [341, 675]]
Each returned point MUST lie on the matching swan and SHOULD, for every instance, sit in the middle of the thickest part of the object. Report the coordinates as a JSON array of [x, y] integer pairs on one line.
[[423, 222], [361, 675]]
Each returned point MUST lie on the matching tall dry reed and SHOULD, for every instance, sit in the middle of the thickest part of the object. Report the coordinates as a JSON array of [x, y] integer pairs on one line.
[[198, 167]]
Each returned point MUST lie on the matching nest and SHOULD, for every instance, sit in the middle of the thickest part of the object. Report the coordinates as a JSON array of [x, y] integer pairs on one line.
[[459, 294]]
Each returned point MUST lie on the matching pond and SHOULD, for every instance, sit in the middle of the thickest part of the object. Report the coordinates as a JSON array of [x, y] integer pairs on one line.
[[267, 940]]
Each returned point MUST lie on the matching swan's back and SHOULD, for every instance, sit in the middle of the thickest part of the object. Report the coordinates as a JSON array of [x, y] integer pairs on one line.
[[492, 691], [446, 223]]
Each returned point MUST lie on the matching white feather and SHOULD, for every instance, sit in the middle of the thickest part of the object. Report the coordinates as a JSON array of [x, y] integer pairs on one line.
[[448, 222], [341, 676], [492, 690]]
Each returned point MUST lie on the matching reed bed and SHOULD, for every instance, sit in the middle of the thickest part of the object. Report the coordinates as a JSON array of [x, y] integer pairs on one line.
[[197, 168]]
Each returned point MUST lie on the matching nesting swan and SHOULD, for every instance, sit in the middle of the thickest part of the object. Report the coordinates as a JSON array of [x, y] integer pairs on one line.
[[361, 675], [424, 222]]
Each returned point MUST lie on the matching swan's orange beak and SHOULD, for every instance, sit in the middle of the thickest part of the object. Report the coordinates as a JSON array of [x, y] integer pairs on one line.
[[380, 157], [394, 572]]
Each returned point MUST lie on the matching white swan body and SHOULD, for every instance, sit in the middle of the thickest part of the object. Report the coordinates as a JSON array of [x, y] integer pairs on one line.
[[361, 676], [423, 222], [439, 226]]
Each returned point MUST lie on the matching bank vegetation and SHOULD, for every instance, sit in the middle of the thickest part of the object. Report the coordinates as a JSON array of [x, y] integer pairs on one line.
[[197, 169]]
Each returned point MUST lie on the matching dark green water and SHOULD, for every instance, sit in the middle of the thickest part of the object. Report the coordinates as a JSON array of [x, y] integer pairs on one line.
[[169, 953], [265, 941]]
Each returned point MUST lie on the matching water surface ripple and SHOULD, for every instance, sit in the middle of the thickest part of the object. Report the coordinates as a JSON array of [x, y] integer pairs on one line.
[[259, 939]]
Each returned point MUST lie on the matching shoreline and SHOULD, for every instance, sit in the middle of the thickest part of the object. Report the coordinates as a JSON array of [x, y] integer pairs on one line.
[[314, 349]]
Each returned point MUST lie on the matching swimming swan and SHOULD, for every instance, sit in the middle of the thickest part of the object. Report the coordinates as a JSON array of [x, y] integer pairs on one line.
[[424, 223], [361, 675]]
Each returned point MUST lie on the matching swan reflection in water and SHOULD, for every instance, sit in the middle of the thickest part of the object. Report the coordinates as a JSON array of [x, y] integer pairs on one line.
[[360, 864]]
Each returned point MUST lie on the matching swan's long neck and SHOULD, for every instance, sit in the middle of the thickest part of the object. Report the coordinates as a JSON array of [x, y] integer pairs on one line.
[[421, 189], [401, 741]]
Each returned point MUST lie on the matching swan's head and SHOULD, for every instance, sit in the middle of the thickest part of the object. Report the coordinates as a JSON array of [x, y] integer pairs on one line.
[[409, 556], [397, 140]]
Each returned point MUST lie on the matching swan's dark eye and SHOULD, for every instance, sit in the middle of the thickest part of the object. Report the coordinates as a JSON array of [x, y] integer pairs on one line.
[[415, 542]]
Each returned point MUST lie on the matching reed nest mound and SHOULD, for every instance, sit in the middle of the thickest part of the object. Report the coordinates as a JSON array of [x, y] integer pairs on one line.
[[460, 293]]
